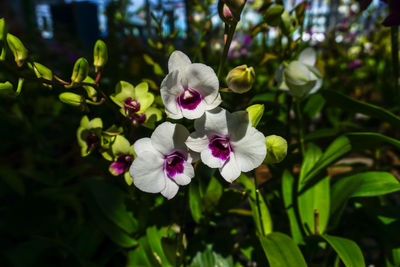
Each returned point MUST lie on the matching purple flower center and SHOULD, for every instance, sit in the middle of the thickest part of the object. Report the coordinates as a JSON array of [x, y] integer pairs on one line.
[[189, 99], [220, 147], [121, 164], [131, 106], [92, 141], [138, 119], [173, 163]]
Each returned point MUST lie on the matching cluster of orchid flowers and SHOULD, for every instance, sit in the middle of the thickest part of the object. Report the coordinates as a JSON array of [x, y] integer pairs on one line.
[[223, 140], [160, 164]]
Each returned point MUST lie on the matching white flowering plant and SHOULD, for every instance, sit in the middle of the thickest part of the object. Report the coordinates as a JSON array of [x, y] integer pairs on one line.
[[184, 155]]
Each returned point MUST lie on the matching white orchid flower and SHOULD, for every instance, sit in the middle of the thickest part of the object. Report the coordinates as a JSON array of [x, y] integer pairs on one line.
[[300, 78], [189, 89], [163, 162], [228, 141]]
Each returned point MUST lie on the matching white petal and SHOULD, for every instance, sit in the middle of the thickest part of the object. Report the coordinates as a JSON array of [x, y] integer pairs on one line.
[[316, 87], [170, 89], [203, 79], [217, 101], [168, 137], [185, 177], [192, 156], [178, 61], [251, 150], [197, 142], [195, 113], [213, 121], [170, 189], [210, 160], [308, 56], [147, 171], [230, 171], [141, 145]]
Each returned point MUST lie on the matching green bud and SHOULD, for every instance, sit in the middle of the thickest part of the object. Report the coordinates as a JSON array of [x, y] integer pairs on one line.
[[255, 112], [7, 89], [3, 39], [71, 98], [240, 79], [230, 10], [80, 71], [288, 23], [276, 149], [100, 55], [42, 71], [18, 49], [273, 15]]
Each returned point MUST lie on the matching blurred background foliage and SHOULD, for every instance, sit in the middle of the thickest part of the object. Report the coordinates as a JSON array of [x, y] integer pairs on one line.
[[59, 208]]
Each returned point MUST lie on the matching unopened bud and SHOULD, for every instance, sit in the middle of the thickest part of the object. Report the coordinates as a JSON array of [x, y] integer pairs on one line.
[[3, 39], [42, 71], [230, 10], [7, 89], [273, 15], [255, 113], [18, 49], [276, 149], [80, 71], [71, 98], [240, 79], [100, 54]]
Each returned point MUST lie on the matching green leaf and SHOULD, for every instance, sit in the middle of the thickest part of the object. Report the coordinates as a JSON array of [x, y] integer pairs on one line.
[[154, 239], [213, 194], [314, 105], [282, 251], [394, 259], [210, 258], [338, 99], [367, 184], [368, 140], [288, 189], [111, 201], [261, 215], [339, 147], [312, 155], [195, 201], [347, 250], [312, 199], [11, 178], [116, 234]]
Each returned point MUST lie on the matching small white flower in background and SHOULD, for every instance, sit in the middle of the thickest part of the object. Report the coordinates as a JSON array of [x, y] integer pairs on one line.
[[300, 78], [189, 89], [163, 162], [228, 141]]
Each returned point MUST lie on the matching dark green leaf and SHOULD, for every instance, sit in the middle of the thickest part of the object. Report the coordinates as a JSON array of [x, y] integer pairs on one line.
[[368, 184], [195, 201], [338, 99], [347, 250], [368, 140], [210, 258], [282, 251], [154, 239], [289, 187]]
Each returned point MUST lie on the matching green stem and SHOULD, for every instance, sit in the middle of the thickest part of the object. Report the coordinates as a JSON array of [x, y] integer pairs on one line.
[[299, 116], [230, 30], [395, 59], [258, 205]]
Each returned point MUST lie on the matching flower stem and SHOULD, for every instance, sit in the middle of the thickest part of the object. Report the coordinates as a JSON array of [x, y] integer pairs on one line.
[[299, 116], [228, 36], [395, 59]]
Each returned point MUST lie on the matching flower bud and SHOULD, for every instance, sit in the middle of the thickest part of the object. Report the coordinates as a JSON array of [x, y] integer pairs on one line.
[[3, 38], [240, 79], [273, 15], [71, 98], [230, 10], [276, 149], [7, 89], [300, 78], [80, 71], [42, 71], [18, 49], [255, 113], [100, 54]]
